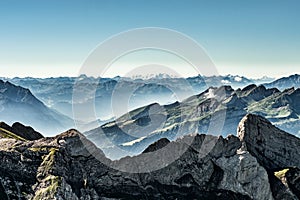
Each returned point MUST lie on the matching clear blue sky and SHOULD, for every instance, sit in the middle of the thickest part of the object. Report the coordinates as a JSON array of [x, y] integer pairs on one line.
[[53, 37]]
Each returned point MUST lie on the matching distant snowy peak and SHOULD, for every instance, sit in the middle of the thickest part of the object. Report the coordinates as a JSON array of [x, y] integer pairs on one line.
[[226, 79], [233, 78], [153, 76]]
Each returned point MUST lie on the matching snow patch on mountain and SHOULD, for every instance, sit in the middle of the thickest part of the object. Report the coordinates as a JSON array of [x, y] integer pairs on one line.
[[210, 94], [133, 141], [225, 82], [238, 79]]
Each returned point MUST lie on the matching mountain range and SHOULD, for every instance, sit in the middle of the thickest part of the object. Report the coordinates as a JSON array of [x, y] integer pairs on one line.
[[54, 111], [57, 93], [168, 149], [260, 163], [19, 104], [216, 111], [285, 82]]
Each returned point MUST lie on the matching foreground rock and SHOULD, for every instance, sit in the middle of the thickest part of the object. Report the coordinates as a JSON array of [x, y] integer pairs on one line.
[[157, 145], [25, 132], [272, 147], [68, 166]]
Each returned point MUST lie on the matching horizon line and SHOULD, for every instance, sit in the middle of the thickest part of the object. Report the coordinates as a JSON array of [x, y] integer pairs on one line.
[[142, 76]]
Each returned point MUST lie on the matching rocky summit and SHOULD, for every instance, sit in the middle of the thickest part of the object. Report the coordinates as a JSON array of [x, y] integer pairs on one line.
[[261, 162], [18, 129], [225, 107]]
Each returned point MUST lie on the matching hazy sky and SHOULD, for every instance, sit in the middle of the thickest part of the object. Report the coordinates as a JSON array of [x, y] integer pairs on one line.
[[53, 38]]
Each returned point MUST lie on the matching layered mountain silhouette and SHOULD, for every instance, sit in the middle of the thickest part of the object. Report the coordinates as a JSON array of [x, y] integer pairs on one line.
[[57, 93], [285, 82], [18, 130], [261, 163], [216, 111], [19, 104]]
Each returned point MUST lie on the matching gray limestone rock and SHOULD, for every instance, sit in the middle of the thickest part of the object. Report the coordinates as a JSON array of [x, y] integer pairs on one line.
[[272, 147], [69, 166]]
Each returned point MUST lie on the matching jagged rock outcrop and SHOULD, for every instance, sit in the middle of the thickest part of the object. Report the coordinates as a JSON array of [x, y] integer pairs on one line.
[[69, 166], [243, 174], [293, 180], [225, 107], [272, 147], [157, 145], [26, 132]]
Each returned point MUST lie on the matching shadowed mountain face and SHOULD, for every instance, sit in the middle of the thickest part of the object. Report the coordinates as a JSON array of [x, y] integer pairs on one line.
[[57, 93], [68, 166], [216, 111], [157, 145], [94, 96], [18, 129], [286, 82], [18, 104]]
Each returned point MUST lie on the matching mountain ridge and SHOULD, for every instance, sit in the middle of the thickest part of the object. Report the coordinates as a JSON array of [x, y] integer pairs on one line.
[[219, 105], [285, 82], [25, 132], [61, 89], [19, 104], [68, 166], [57, 92]]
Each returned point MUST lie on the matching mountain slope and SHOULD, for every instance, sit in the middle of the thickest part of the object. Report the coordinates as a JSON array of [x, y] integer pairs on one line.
[[18, 104], [285, 82], [57, 92], [68, 166], [18, 130], [216, 111]]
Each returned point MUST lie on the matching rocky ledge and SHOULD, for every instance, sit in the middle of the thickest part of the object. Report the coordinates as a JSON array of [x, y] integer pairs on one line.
[[261, 163]]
